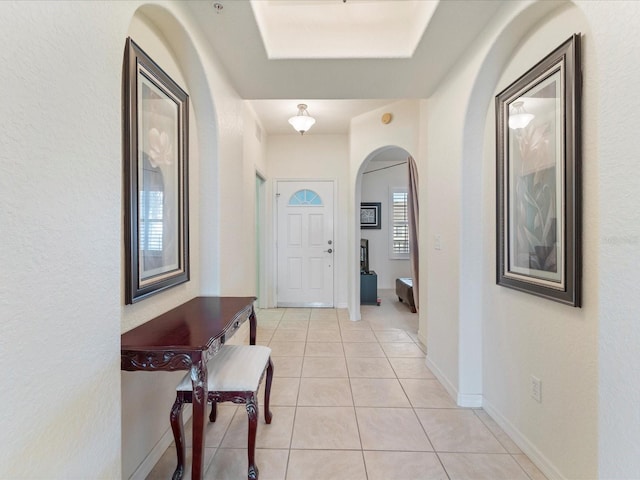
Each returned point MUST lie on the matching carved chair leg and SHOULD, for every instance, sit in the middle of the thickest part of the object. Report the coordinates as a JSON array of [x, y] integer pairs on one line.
[[178, 435], [252, 412], [267, 392]]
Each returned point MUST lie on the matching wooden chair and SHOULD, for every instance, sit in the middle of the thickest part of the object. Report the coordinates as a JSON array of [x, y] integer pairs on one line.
[[234, 375]]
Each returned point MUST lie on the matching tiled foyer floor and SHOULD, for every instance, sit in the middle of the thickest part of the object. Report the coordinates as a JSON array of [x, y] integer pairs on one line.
[[355, 401]]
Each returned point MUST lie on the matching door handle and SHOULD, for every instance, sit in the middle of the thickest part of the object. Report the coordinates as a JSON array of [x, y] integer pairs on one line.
[[329, 251]]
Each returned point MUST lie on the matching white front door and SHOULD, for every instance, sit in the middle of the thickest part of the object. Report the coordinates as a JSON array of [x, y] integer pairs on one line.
[[305, 243]]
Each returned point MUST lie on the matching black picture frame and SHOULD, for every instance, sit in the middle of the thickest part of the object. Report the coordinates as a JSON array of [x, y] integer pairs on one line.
[[538, 178], [155, 151], [370, 215]]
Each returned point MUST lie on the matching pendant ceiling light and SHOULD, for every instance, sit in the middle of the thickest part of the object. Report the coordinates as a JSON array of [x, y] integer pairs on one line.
[[518, 116], [302, 122]]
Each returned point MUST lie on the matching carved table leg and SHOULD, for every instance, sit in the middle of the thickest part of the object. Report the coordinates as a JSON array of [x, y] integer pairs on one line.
[[199, 402], [178, 435]]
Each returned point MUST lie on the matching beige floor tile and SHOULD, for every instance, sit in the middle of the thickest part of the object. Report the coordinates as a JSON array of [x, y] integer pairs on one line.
[[425, 393], [289, 335], [297, 314], [358, 336], [324, 324], [323, 314], [167, 464], [458, 431], [325, 428], [293, 324], [411, 368], [232, 464], [403, 465], [284, 392], [378, 392], [287, 349], [324, 349], [346, 324], [325, 392], [393, 335], [369, 367], [500, 434], [528, 466], [326, 465], [287, 366], [275, 435], [267, 319], [328, 367], [391, 429], [402, 349], [385, 366], [213, 431], [473, 466], [317, 335], [363, 350]]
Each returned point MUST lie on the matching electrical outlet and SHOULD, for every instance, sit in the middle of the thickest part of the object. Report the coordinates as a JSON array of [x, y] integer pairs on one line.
[[536, 389], [437, 240]]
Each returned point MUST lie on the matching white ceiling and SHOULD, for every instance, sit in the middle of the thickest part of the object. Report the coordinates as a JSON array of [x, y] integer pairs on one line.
[[336, 90], [330, 29]]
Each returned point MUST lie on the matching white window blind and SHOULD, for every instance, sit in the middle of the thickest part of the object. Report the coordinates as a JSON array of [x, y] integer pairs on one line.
[[151, 221], [399, 223]]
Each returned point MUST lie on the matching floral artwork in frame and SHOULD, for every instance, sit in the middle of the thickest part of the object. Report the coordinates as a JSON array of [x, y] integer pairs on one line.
[[370, 215], [156, 133], [538, 178]]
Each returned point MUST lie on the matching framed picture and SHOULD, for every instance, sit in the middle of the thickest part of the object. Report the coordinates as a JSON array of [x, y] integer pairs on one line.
[[538, 178], [370, 215], [156, 133]]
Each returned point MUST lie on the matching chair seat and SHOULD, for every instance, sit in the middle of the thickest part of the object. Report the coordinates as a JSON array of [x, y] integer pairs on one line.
[[235, 368]]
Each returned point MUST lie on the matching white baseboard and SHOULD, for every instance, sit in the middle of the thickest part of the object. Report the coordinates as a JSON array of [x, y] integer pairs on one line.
[[144, 469], [535, 455], [448, 386], [422, 338], [470, 400], [461, 399]]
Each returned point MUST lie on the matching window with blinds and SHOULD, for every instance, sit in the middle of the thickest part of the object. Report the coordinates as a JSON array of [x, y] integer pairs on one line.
[[151, 220], [399, 219]]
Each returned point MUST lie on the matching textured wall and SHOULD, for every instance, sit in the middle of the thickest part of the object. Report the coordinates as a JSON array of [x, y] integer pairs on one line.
[[60, 225], [526, 335]]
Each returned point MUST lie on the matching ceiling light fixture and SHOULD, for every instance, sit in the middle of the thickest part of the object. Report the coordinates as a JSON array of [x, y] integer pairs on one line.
[[302, 122], [518, 116]]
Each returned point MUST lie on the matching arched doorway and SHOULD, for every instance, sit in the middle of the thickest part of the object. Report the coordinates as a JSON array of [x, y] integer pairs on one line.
[[382, 189]]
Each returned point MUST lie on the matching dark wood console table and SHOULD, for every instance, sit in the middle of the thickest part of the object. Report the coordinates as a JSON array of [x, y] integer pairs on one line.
[[185, 338]]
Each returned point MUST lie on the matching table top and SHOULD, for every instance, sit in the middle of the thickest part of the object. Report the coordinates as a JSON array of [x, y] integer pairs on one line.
[[192, 326]]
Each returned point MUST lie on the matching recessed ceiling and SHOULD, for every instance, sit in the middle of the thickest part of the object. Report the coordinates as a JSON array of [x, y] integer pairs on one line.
[[341, 29], [336, 89]]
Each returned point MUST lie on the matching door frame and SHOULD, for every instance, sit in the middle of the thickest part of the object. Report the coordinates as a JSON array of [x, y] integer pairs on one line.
[[274, 225], [261, 238]]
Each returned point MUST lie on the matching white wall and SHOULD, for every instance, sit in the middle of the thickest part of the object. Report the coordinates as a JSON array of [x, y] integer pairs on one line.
[[60, 231], [317, 157], [377, 187], [525, 335], [220, 174], [616, 110], [61, 284]]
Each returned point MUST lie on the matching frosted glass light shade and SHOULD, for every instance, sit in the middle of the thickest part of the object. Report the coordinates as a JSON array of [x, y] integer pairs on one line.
[[518, 117], [302, 122]]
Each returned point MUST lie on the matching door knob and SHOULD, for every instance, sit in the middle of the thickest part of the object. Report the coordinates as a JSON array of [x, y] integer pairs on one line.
[[329, 251]]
